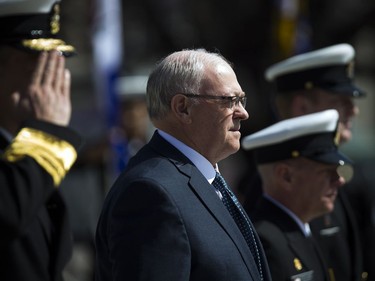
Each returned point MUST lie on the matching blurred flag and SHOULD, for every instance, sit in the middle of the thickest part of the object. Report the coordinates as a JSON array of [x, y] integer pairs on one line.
[[108, 54], [293, 30]]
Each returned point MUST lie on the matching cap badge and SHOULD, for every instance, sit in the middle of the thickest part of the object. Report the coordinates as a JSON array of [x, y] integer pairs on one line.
[[297, 264], [350, 70], [295, 154], [336, 139], [55, 19], [309, 85]]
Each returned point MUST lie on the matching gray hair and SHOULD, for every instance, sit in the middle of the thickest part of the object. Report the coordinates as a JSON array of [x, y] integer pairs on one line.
[[180, 72]]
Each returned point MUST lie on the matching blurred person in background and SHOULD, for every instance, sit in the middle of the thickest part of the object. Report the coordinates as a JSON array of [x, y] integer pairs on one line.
[[301, 171], [133, 128], [37, 147], [307, 83]]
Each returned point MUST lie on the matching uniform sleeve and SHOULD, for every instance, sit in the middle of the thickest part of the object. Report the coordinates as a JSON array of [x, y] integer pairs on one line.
[[31, 167]]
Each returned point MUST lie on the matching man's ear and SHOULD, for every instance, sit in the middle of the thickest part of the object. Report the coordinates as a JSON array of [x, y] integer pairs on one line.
[[181, 108], [284, 175]]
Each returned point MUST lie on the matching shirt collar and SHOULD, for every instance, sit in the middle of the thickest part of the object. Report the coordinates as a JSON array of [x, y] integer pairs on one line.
[[202, 164], [305, 227]]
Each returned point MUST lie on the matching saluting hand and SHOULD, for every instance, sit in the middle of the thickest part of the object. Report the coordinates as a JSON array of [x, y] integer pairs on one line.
[[49, 92]]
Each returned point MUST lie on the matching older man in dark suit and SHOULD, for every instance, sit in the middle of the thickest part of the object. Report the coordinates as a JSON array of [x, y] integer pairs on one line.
[[170, 216]]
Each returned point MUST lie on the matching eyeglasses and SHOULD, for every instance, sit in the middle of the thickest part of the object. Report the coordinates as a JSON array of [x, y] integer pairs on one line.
[[231, 100]]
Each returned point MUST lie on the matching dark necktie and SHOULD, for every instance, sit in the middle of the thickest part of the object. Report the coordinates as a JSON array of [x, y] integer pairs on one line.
[[236, 211]]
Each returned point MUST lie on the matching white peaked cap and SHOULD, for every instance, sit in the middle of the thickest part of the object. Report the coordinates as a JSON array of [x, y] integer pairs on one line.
[[330, 69], [132, 86], [340, 54], [320, 122], [314, 136], [14, 7]]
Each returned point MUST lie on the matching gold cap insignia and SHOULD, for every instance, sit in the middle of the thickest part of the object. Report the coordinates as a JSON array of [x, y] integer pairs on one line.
[[55, 19], [48, 44], [350, 70], [309, 85], [295, 154], [336, 139]]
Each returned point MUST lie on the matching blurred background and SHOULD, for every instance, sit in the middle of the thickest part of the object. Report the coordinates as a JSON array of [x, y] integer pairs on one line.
[[118, 43]]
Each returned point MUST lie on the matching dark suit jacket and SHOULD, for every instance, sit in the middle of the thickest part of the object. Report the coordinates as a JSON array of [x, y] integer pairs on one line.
[[290, 254], [163, 221], [35, 239]]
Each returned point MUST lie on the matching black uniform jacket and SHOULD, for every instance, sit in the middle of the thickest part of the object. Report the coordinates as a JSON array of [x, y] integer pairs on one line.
[[290, 255], [163, 221], [35, 238], [337, 234]]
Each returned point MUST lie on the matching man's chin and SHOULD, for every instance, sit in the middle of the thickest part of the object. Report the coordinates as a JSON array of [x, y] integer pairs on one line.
[[235, 146]]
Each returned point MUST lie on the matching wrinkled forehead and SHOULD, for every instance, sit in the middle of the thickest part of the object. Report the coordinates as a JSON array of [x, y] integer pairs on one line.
[[222, 78]]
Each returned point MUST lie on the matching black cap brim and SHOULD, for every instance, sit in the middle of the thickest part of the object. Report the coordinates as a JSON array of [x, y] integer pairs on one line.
[[336, 79], [343, 163], [330, 157], [349, 90]]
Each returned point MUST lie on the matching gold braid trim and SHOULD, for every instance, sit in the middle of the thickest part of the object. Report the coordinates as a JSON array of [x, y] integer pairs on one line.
[[54, 155], [47, 44]]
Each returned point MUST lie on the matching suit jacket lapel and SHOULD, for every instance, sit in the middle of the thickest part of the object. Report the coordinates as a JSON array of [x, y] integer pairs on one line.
[[208, 197]]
